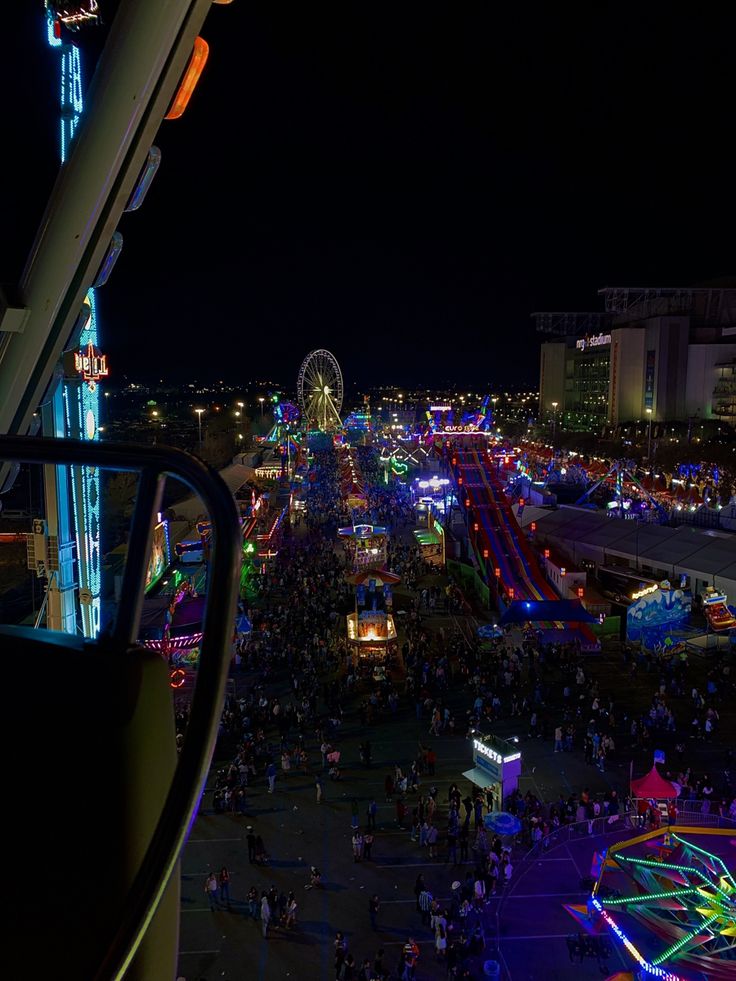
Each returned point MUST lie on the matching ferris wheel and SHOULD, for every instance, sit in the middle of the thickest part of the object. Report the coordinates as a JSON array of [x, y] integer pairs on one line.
[[320, 391]]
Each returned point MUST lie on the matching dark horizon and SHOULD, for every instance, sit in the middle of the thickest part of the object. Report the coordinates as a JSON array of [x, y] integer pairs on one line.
[[404, 191]]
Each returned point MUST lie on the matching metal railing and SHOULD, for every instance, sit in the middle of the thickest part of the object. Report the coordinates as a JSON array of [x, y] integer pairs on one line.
[[703, 813], [154, 464], [624, 820]]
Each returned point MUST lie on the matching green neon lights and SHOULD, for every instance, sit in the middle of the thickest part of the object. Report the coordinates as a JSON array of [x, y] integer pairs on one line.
[[714, 858], [688, 869], [646, 897], [673, 948]]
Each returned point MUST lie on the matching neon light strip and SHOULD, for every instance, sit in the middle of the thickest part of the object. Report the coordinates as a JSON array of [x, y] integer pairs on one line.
[[683, 941], [650, 968], [714, 858], [174, 643], [688, 870], [82, 418], [645, 898]]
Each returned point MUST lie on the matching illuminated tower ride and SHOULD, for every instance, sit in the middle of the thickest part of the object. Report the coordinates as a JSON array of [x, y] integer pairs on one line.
[[75, 405]]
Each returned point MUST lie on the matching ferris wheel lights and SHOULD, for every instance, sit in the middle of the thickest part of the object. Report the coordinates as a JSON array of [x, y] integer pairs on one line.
[[188, 83]]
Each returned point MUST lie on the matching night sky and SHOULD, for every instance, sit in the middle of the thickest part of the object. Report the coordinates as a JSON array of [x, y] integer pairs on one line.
[[404, 185]]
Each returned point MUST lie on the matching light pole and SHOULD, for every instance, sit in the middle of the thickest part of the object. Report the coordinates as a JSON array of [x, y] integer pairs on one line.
[[261, 400], [199, 426], [554, 422], [649, 440]]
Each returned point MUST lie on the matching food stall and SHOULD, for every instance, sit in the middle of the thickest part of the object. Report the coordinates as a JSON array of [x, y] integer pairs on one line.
[[371, 630], [365, 544]]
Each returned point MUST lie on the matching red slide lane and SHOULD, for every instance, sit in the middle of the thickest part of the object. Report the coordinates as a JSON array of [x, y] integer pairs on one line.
[[498, 530]]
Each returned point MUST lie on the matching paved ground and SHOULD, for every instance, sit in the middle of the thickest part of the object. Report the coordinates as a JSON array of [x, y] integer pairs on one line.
[[298, 832]]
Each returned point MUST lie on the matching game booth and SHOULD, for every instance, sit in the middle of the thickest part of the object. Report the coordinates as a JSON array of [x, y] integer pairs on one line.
[[370, 628], [431, 541], [365, 544]]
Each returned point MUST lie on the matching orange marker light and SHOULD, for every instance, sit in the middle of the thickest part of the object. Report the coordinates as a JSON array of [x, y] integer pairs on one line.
[[191, 77]]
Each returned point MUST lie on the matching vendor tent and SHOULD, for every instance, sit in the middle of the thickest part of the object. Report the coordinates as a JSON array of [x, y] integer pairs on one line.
[[653, 786]]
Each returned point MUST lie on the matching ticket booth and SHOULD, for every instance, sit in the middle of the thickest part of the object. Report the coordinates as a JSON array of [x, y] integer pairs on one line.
[[496, 765]]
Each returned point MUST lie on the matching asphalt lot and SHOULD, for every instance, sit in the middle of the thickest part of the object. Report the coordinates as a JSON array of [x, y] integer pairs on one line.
[[298, 832]]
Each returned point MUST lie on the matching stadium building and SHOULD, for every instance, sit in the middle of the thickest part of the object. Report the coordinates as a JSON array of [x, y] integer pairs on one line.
[[656, 353]]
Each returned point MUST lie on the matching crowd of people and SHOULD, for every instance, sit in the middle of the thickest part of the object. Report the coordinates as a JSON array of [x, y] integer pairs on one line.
[[298, 684]]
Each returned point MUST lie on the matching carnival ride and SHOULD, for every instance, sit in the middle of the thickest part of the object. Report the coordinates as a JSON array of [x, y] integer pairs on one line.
[[503, 553], [444, 420], [320, 391], [352, 488], [670, 899], [366, 545], [615, 478], [717, 611], [494, 530], [286, 418]]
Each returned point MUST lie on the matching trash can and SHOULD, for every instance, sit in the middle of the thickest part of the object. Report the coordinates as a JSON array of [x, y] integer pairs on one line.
[[492, 969]]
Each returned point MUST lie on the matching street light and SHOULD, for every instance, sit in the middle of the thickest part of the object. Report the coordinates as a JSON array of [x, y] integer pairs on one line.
[[261, 400], [554, 422], [649, 441], [199, 424]]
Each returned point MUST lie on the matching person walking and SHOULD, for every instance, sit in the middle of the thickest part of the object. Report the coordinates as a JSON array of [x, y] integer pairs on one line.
[[357, 846], [432, 835], [210, 889], [478, 812], [251, 839], [253, 902], [558, 739], [347, 970], [372, 810], [224, 884], [451, 847], [265, 914], [418, 889], [367, 845], [341, 949], [440, 941], [380, 971], [291, 911], [400, 812], [425, 905], [373, 908], [354, 810], [271, 775], [318, 787]]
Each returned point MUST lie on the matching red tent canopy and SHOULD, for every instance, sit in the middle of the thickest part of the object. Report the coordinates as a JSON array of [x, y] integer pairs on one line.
[[653, 785]]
